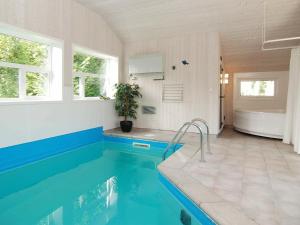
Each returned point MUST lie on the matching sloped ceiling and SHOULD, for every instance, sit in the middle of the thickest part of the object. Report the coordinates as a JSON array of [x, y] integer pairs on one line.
[[239, 23]]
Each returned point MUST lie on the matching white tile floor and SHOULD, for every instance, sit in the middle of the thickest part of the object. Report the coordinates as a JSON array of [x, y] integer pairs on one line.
[[247, 179]]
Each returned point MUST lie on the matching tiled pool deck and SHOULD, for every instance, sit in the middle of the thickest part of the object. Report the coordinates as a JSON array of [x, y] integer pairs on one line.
[[247, 179]]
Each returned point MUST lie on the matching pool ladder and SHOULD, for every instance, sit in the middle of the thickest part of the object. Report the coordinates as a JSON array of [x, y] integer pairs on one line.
[[179, 135]]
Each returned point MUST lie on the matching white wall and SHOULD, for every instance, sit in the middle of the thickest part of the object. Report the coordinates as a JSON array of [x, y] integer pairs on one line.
[[27, 122], [277, 102], [200, 79], [71, 23]]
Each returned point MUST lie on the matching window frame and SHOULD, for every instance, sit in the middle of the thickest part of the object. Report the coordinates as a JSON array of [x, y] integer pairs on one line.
[[255, 97], [47, 70], [22, 70], [83, 75]]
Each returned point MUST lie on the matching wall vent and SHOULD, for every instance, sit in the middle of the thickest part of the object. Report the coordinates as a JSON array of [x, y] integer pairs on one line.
[[148, 109], [172, 93]]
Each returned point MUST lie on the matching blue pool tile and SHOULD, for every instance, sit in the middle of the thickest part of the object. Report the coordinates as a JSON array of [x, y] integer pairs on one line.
[[18, 155]]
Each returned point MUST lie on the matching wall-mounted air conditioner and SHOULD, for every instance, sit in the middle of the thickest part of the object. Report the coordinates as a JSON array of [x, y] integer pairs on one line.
[[151, 65]]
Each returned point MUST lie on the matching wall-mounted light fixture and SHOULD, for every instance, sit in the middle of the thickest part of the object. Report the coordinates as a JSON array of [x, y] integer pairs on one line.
[[185, 62], [224, 78]]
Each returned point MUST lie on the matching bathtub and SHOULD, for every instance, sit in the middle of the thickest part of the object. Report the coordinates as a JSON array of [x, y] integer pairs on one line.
[[266, 123]]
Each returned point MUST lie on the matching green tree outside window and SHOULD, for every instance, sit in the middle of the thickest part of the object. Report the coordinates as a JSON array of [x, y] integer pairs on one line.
[[88, 64], [20, 51]]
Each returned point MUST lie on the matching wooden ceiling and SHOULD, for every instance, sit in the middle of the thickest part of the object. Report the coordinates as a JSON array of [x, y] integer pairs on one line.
[[239, 23]]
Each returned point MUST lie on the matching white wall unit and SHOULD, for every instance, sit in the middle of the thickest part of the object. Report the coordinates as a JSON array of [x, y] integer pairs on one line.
[[146, 64], [71, 23], [200, 80]]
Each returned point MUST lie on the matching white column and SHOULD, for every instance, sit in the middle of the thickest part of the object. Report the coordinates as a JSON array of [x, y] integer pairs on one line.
[[213, 74], [292, 126]]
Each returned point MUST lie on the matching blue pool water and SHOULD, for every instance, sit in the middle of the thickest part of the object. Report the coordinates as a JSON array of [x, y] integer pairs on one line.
[[105, 182]]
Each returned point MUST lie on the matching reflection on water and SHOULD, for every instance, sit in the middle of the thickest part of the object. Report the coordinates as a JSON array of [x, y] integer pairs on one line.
[[88, 206], [112, 194], [54, 218]]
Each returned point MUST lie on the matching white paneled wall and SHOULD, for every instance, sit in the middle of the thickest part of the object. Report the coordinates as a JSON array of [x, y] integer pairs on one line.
[[200, 79], [71, 23], [278, 102]]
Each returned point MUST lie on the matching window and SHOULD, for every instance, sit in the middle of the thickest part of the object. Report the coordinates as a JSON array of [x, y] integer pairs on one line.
[[257, 88], [27, 69], [94, 75]]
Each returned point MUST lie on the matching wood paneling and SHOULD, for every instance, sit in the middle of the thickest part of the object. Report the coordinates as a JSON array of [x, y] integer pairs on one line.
[[66, 20], [71, 23], [199, 78], [238, 21]]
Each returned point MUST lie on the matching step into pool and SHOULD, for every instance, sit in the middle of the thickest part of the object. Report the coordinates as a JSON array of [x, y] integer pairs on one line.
[[108, 182]]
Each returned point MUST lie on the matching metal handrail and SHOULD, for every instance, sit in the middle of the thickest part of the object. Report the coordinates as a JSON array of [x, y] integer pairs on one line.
[[202, 121], [201, 138], [187, 125], [207, 132], [173, 139]]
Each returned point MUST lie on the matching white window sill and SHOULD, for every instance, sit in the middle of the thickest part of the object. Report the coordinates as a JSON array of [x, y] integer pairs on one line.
[[258, 98], [29, 102], [49, 101], [92, 99]]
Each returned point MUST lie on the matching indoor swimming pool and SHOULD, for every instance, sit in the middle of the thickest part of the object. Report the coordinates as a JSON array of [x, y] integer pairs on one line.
[[112, 182]]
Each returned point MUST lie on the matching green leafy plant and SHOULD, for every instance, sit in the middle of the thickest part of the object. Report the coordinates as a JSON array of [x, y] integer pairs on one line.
[[126, 100]]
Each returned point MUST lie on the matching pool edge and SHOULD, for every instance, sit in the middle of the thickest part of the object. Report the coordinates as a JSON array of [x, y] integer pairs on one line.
[[194, 209]]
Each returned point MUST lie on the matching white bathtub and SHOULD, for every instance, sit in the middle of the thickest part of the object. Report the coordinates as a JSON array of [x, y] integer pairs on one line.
[[267, 123]]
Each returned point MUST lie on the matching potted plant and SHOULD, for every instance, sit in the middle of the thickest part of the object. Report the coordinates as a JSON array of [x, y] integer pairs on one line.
[[126, 103]]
